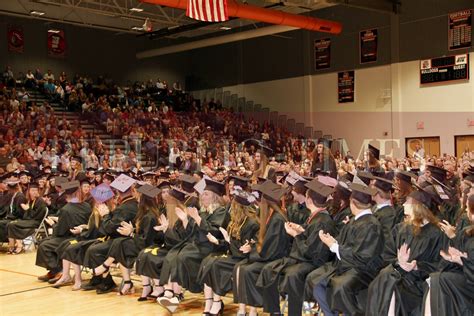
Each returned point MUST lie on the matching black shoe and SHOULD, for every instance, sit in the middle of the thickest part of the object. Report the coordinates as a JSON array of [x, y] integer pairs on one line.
[[107, 285], [92, 284], [145, 298], [221, 310]]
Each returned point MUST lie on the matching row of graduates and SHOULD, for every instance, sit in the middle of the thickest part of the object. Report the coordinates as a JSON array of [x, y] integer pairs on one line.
[[330, 245]]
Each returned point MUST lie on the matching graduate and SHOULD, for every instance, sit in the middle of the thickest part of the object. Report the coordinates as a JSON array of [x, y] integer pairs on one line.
[[182, 263], [216, 269], [125, 211], [399, 288], [72, 251], [403, 188], [13, 200], [297, 211], [287, 275], [386, 214], [339, 286], [34, 211], [273, 243], [451, 289], [150, 260], [76, 212], [137, 236], [340, 209]]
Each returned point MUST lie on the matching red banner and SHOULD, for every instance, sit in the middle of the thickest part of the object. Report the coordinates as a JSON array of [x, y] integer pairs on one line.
[[16, 39], [56, 43]]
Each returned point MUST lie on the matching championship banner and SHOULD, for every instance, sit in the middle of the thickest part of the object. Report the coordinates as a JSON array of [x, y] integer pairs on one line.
[[322, 53], [16, 39], [346, 86], [368, 46], [460, 30], [56, 43]]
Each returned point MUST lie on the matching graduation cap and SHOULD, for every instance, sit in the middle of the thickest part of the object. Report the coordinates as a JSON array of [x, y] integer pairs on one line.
[[109, 176], [329, 181], [244, 198], [70, 187], [271, 191], [164, 175], [422, 197], [437, 172], [123, 183], [343, 188], [90, 169], [164, 184], [349, 176], [362, 193], [178, 194], [33, 185], [405, 176], [375, 151], [365, 176], [240, 181], [58, 181], [76, 158], [318, 192], [102, 193], [266, 150], [469, 178], [214, 186], [187, 183], [24, 173], [149, 174], [383, 184], [12, 182], [149, 190]]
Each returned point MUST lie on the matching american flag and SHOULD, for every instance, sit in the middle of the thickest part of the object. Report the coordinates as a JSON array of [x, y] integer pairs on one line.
[[207, 10]]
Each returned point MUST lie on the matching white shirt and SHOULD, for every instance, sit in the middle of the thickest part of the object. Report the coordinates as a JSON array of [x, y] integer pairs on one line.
[[379, 206], [335, 247]]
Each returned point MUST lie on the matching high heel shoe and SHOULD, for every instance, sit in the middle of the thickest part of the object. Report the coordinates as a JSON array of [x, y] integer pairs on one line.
[[207, 313], [18, 250], [131, 290], [221, 310], [107, 268], [144, 298]]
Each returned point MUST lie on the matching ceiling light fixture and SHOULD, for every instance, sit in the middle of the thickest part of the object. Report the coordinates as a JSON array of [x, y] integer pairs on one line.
[[137, 28], [225, 28], [37, 13], [53, 31], [136, 10]]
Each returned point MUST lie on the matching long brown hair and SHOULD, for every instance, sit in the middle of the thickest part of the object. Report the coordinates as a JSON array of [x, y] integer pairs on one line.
[[95, 218], [239, 214], [470, 211], [265, 211], [420, 214], [260, 168], [145, 206], [171, 204]]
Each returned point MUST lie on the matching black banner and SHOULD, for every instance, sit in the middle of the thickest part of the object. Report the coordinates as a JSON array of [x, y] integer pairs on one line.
[[368, 46], [322, 53], [346, 86], [460, 29]]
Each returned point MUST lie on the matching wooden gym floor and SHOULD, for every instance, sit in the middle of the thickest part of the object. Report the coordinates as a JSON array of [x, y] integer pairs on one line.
[[22, 294]]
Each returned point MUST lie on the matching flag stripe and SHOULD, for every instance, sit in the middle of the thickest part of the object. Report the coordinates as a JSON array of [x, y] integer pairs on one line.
[[207, 10]]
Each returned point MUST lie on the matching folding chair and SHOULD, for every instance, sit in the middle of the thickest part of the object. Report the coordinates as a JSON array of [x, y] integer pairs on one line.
[[42, 229]]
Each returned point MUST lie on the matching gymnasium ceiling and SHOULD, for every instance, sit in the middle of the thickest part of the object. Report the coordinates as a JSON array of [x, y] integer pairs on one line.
[[124, 16]]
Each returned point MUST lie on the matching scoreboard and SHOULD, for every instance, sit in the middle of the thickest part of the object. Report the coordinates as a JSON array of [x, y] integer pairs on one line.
[[444, 69]]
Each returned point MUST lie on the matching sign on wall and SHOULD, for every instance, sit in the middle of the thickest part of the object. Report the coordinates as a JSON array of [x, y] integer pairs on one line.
[[346, 86], [16, 39], [444, 69], [56, 43], [460, 29], [322, 53], [368, 46]]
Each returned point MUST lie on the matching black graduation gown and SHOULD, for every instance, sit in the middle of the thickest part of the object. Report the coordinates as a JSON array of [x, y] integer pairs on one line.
[[216, 269], [12, 211], [297, 213], [407, 286], [340, 216], [288, 275], [57, 203], [22, 228], [182, 262], [387, 217], [452, 288], [125, 249], [96, 254], [360, 247], [74, 250], [150, 260], [275, 245], [70, 216]]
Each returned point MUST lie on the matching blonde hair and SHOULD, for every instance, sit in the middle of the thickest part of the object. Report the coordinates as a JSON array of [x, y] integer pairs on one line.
[[420, 214], [239, 214], [217, 201]]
